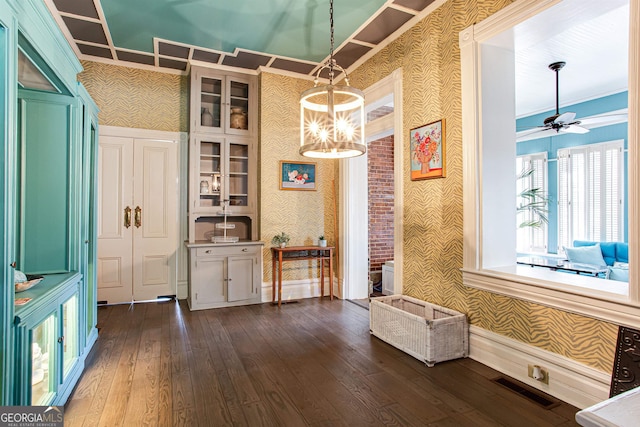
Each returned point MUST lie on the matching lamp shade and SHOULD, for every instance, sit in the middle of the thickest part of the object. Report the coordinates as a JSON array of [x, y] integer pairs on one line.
[[332, 122]]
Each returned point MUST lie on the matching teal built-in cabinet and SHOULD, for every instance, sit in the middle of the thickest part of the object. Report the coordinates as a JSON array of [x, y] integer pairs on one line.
[[48, 226]]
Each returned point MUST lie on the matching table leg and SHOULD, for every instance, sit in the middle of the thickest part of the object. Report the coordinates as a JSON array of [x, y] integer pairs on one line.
[[321, 275], [279, 278], [273, 276], [330, 274]]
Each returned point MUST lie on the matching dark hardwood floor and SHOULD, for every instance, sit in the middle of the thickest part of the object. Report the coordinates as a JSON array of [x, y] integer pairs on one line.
[[313, 363]]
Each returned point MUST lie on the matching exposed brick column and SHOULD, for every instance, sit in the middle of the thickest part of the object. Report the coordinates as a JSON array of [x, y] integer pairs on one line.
[[381, 200]]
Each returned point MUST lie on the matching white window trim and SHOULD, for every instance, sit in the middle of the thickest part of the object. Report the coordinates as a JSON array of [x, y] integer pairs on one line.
[[544, 228], [511, 280]]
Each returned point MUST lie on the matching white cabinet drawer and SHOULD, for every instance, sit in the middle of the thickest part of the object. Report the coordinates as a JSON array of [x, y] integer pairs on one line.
[[228, 250]]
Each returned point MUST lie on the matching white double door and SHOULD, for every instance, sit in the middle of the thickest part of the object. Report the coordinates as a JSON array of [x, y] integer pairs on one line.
[[138, 198]]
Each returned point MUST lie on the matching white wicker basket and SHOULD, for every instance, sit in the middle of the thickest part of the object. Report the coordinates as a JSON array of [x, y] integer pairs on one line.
[[426, 331]]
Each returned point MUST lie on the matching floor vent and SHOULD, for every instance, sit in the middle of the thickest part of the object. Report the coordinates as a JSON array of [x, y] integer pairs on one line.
[[530, 393]]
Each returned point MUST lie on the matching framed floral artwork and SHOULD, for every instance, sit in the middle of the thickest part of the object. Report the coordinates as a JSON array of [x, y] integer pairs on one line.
[[428, 151], [297, 175]]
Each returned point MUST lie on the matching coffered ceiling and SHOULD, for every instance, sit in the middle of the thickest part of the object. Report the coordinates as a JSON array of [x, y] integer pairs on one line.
[[292, 36], [287, 35]]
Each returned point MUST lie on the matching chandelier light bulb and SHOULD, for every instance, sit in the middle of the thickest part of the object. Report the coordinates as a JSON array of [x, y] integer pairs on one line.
[[314, 128], [324, 135]]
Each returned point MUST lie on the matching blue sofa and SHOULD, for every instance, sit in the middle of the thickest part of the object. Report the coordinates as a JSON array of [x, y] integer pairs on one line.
[[611, 251], [615, 255]]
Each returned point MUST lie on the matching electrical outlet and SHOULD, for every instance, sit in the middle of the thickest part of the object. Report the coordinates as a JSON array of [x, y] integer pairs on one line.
[[541, 373]]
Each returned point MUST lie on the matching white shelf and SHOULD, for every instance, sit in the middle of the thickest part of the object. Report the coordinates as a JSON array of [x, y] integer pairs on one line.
[[224, 239], [225, 226]]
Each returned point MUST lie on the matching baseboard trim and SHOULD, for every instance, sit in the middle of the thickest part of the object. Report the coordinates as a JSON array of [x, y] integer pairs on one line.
[[183, 290], [297, 289], [570, 381]]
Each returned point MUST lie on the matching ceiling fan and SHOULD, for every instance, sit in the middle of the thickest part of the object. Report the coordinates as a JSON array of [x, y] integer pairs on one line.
[[565, 122]]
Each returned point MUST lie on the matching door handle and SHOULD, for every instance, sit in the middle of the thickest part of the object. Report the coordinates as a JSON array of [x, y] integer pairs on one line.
[[127, 217], [138, 217]]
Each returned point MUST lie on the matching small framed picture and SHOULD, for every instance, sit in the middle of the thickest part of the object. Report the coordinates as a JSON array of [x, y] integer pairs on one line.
[[427, 150], [297, 175]]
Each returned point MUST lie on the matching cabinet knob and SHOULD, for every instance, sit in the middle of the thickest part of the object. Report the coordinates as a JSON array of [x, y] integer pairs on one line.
[[61, 339], [208, 251], [245, 250], [13, 264]]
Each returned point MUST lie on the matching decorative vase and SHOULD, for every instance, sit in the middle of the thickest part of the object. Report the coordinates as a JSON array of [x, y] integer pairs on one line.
[[283, 245], [206, 119], [322, 243], [424, 168], [204, 187], [238, 119]]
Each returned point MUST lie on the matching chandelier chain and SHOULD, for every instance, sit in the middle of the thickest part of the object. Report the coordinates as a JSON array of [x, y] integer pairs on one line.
[[331, 60]]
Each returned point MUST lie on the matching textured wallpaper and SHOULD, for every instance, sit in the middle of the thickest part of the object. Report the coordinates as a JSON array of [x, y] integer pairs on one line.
[[130, 97], [429, 57], [304, 215]]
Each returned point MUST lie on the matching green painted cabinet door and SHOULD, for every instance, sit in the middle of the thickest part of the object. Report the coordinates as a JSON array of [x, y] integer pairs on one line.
[[47, 185], [88, 209]]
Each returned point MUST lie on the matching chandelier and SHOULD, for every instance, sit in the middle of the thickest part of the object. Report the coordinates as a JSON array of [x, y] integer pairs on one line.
[[332, 116]]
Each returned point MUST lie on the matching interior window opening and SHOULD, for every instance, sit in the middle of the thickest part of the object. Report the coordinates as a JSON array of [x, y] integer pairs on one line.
[[590, 184]]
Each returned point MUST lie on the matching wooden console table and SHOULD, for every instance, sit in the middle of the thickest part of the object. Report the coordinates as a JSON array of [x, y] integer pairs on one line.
[[297, 253]]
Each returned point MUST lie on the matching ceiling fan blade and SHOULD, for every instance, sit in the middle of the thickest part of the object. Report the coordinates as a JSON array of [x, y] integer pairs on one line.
[[540, 132], [565, 117], [574, 128], [526, 132], [613, 118]]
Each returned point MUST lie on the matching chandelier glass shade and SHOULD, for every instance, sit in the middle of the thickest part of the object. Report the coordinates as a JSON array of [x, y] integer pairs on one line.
[[332, 116]]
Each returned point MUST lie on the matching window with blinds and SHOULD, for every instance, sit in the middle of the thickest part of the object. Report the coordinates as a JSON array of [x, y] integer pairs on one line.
[[532, 230], [590, 193]]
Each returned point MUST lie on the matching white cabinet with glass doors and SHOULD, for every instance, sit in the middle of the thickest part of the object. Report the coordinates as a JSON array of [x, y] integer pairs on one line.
[[222, 171], [222, 103]]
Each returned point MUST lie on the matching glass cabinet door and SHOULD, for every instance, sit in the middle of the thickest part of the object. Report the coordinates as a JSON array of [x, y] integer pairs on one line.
[[238, 174], [211, 103], [238, 118], [43, 350], [210, 182], [69, 334]]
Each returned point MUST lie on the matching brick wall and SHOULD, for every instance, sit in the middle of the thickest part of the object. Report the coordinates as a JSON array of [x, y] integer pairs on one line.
[[380, 158]]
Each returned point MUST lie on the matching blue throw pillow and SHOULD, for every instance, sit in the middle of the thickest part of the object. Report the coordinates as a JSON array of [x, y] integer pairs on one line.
[[621, 274], [586, 255]]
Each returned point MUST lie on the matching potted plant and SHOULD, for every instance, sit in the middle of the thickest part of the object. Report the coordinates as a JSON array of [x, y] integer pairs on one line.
[[280, 239], [532, 201], [321, 241]]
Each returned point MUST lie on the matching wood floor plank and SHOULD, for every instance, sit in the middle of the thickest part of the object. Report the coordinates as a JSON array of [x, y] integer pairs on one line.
[[165, 392], [208, 397], [217, 337], [142, 405], [120, 387], [185, 418], [313, 363], [423, 408], [226, 348], [312, 404], [105, 364]]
